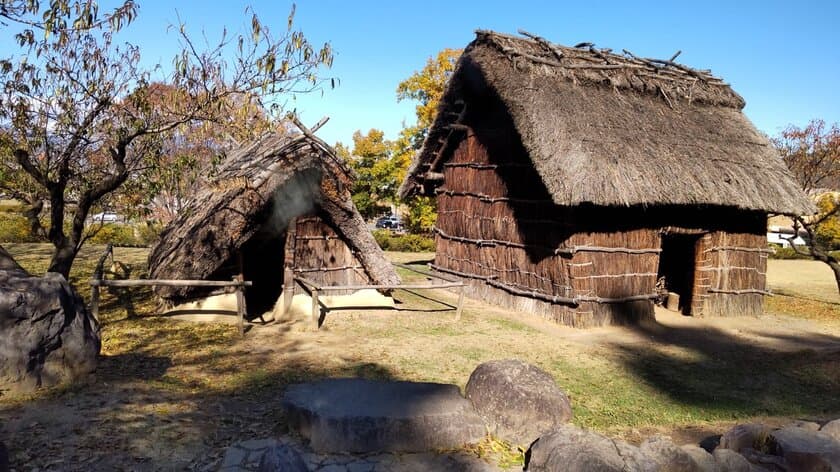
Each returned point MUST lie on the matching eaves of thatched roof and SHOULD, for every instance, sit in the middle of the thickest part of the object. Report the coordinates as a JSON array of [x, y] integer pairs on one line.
[[616, 130], [294, 172]]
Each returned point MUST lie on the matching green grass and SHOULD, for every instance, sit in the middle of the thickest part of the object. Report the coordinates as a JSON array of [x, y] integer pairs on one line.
[[173, 374]]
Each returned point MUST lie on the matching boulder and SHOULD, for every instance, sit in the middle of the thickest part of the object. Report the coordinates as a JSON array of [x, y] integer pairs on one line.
[[702, 459], [753, 435], [728, 460], [832, 428], [804, 449], [517, 400], [572, 449], [669, 457], [358, 415], [282, 458], [47, 336], [809, 425]]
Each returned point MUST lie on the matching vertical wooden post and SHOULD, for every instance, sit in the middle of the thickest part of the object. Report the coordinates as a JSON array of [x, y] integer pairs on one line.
[[460, 304], [240, 304], [315, 315], [288, 269], [94, 300]]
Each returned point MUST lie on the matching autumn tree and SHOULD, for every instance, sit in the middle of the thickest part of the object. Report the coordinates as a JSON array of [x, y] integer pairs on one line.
[[377, 172], [812, 153], [80, 108], [426, 87], [185, 157]]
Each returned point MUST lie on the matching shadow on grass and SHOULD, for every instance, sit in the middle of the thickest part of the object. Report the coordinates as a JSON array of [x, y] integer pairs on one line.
[[154, 407], [730, 376]]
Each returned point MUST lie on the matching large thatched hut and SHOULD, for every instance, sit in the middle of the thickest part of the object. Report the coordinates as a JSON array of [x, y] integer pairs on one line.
[[276, 207], [570, 181]]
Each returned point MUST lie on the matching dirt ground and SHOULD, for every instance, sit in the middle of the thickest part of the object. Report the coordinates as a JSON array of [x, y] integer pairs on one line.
[[171, 395], [809, 279]]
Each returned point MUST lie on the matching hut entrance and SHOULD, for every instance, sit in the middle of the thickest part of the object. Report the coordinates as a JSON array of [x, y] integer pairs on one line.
[[677, 264], [262, 263]]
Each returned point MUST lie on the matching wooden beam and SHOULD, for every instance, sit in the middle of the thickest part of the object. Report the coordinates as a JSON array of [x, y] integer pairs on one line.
[[327, 288], [740, 292], [423, 272], [169, 283]]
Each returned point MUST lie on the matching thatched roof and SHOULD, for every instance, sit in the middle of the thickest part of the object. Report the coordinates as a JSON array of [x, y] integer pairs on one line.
[[267, 182], [614, 130]]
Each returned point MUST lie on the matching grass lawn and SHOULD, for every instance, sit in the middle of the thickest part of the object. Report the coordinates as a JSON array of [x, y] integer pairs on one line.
[[173, 393]]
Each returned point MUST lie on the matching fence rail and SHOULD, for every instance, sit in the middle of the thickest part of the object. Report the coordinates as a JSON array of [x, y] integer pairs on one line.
[[315, 290]]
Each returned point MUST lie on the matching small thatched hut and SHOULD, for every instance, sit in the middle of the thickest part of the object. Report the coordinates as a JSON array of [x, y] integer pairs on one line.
[[570, 181], [281, 204]]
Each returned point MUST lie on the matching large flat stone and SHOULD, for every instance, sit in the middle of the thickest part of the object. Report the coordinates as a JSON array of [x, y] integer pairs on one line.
[[803, 449], [357, 415]]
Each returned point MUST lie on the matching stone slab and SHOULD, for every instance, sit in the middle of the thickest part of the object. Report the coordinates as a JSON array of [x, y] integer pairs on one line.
[[358, 415]]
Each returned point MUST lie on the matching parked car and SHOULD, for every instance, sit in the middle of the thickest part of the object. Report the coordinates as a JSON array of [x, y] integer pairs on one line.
[[389, 222], [106, 217]]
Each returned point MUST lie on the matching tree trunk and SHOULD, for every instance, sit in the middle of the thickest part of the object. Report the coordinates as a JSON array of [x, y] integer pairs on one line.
[[835, 267], [32, 212], [62, 259]]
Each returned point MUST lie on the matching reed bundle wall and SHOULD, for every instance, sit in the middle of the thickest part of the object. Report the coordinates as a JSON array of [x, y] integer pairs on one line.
[[499, 230], [321, 255]]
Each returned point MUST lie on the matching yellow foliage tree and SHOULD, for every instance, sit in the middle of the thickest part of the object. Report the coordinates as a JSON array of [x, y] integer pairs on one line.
[[425, 86]]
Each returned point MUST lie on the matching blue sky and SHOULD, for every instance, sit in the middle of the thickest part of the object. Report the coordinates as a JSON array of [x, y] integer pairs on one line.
[[782, 57]]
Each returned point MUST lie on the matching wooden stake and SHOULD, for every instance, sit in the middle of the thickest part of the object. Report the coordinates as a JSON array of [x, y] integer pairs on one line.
[[240, 305], [460, 304], [315, 314]]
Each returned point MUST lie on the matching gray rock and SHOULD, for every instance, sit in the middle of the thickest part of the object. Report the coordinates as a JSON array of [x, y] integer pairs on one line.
[[668, 455], [634, 458], [357, 415], [281, 458], [517, 400], [47, 336], [832, 428], [753, 435], [809, 425], [572, 449], [728, 460], [702, 459], [763, 461], [456, 462], [803, 449]]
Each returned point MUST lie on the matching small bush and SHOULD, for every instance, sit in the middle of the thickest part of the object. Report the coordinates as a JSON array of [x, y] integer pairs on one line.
[[112, 233], [404, 242], [784, 253], [14, 228]]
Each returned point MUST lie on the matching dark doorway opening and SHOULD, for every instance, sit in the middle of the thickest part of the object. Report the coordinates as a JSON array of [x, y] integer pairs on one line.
[[677, 266], [262, 264]]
